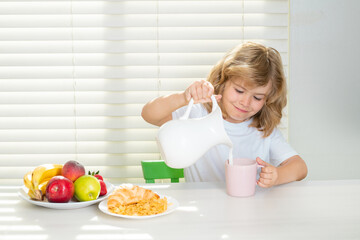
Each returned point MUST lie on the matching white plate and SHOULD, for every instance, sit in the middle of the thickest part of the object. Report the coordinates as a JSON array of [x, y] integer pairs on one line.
[[69, 205], [172, 205]]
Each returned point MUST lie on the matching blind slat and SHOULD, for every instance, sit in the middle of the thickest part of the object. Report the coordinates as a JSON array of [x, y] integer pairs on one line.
[[61, 122], [95, 84], [141, 33], [81, 97], [134, 46], [83, 147], [143, 7], [149, 20], [89, 160], [63, 135], [107, 72], [54, 110], [133, 59]]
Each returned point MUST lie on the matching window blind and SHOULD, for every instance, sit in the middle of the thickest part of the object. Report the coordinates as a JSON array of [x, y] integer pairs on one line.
[[74, 75]]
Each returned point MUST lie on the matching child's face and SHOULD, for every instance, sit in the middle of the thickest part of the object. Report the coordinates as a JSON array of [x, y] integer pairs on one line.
[[242, 102]]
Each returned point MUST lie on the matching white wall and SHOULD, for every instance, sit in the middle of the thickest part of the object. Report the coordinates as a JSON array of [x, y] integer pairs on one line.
[[324, 86]]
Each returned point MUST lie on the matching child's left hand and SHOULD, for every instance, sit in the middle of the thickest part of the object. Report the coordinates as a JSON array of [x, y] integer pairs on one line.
[[268, 174]]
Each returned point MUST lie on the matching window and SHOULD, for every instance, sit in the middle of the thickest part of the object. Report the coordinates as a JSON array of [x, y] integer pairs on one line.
[[74, 75]]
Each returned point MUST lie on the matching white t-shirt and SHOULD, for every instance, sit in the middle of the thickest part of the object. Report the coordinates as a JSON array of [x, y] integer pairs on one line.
[[247, 143]]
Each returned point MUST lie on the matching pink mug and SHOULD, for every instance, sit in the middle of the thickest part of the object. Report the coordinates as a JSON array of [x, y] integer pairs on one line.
[[241, 177]]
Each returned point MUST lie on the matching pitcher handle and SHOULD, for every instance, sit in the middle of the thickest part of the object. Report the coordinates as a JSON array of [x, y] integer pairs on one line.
[[191, 103], [187, 113], [214, 102]]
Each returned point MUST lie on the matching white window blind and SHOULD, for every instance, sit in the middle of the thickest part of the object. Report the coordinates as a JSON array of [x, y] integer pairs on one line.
[[74, 75]]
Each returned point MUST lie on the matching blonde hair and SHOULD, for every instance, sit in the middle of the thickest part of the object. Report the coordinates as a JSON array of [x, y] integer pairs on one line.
[[256, 65]]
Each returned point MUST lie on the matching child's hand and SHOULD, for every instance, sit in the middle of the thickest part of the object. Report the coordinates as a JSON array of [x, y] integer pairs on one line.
[[201, 92], [268, 174]]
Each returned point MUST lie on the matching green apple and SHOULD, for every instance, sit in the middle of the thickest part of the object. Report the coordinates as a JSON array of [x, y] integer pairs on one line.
[[87, 188]]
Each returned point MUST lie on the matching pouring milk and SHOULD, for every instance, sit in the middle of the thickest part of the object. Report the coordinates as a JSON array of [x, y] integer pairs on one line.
[[183, 141]]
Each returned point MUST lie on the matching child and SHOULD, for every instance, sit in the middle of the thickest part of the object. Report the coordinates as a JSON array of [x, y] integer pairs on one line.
[[250, 87]]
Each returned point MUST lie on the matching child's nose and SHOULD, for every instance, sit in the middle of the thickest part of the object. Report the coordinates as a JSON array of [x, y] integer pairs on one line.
[[245, 100]]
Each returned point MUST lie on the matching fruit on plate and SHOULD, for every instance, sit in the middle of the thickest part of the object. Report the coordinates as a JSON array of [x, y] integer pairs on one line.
[[27, 179], [73, 170], [97, 175], [43, 185], [135, 200], [59, 189], [34, 180], [87, 188], [103, 189]]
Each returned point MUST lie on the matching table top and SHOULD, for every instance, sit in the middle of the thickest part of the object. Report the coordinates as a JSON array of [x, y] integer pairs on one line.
[[298, 210]]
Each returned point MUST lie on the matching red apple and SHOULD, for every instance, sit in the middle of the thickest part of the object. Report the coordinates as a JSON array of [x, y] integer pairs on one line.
[[59, 189], [73, 170]]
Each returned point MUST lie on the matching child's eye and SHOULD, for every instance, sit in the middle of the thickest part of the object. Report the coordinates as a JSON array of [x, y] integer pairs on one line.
[[257, 99], [239, 91]]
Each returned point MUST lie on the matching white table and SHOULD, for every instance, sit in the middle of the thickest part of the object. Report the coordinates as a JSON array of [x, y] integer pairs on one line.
[[299, 210]]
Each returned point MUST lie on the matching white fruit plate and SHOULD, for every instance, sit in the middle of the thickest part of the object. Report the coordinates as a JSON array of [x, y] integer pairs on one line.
[[69, 205]]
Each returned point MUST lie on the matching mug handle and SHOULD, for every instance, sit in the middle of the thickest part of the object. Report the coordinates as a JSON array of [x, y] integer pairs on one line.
[[257, 167], [191, 103]]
